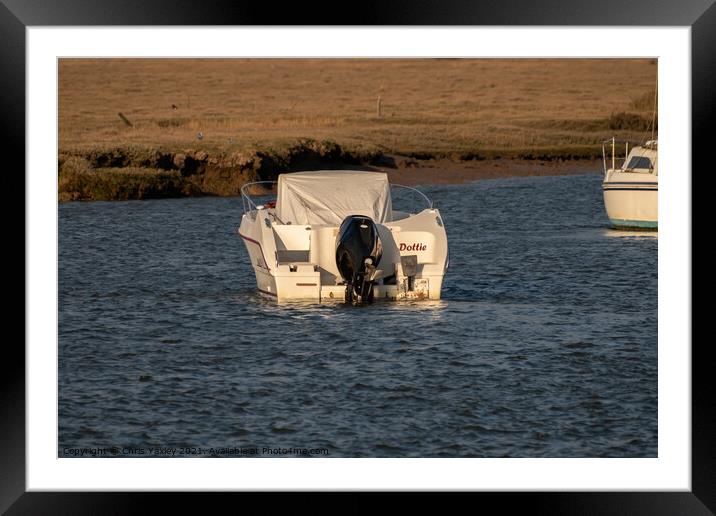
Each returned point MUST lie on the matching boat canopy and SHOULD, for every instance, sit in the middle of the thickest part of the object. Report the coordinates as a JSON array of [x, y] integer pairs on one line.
[[329, 196]]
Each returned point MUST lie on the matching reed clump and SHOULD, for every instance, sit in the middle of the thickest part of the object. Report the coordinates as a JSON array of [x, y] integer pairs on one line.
[[119, 184], [624, 121]]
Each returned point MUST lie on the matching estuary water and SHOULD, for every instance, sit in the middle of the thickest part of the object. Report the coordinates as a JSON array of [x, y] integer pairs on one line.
[[543, 345]]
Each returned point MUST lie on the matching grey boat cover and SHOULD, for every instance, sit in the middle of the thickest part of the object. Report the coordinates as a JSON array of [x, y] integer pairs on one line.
[[329, 196]]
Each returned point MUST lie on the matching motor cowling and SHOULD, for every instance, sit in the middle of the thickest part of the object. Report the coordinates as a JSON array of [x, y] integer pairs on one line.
[[358, 253]]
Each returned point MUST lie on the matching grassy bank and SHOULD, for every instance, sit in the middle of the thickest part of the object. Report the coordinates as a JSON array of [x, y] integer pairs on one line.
[[143, 172], [145, 128]]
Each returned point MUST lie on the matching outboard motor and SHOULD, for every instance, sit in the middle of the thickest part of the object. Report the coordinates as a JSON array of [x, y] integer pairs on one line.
[[358, 252]]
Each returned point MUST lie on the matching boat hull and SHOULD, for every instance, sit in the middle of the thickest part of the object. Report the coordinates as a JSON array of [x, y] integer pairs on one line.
[[297, 262], [632, 205]]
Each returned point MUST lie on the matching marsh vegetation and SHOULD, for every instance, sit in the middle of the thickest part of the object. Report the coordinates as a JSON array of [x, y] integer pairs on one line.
[[139, 128]]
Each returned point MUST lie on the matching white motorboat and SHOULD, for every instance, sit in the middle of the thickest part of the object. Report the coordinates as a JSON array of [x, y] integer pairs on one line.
[[334, 235], [631, 190]]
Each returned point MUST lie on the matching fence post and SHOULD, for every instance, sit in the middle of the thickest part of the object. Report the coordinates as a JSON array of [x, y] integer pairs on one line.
[[125, 120]]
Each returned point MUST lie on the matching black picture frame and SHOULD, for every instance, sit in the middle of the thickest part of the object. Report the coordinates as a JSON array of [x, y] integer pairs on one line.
[[17, 15]]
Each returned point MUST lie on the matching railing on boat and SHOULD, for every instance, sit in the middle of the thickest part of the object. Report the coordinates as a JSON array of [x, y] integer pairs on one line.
[[428, 202], [247, 202], [269, 189], [651, 144]]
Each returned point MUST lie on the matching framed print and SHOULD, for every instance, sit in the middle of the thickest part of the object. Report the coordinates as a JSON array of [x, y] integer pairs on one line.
[[151, 364]]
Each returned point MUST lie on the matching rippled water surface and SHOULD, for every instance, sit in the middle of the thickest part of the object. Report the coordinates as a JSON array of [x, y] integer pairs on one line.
[[544, 344]]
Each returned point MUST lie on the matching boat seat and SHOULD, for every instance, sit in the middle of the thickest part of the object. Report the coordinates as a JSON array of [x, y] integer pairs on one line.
[[290, 256]]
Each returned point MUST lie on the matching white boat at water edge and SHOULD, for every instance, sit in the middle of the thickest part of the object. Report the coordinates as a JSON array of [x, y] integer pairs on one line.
[[631, 191], [334, 235]]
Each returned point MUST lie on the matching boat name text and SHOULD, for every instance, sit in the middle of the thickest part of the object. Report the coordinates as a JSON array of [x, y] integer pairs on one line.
[[413, 247]]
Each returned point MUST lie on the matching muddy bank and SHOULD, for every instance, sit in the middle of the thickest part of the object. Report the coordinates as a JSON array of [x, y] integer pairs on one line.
[[450, 172], [143, 172]]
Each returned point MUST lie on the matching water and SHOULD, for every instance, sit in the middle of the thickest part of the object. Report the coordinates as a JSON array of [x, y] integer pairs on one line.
[[544, 344]]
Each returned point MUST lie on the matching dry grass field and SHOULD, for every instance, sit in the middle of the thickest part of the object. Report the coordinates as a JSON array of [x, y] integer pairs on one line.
[[457, 109]]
